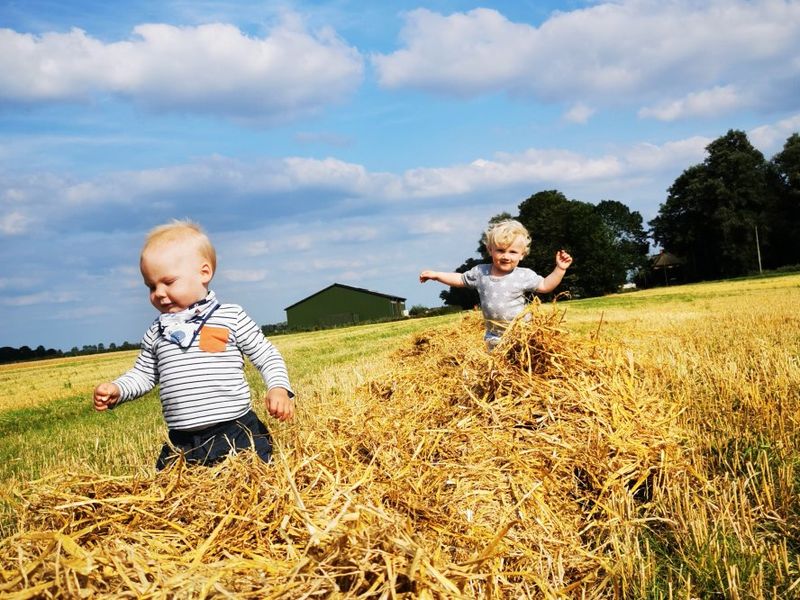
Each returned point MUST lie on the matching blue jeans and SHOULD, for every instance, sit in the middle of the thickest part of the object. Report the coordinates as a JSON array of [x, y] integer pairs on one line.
[[213, 444]]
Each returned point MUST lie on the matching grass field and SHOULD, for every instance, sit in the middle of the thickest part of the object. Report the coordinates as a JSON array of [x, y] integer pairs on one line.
[[726, 355]]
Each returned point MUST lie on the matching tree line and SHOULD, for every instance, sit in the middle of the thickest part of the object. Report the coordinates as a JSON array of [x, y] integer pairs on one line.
[[24, 353], [733, 214]]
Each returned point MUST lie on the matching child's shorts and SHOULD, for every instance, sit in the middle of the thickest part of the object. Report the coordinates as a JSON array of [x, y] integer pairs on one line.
[[213, 444]]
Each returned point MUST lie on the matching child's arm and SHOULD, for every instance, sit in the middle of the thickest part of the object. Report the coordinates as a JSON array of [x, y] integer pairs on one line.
[[265, 357], [451, 279], [137, 381], [563, 261]]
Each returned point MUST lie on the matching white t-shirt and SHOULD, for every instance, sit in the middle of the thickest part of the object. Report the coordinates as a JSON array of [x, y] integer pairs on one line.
[[502, 298]]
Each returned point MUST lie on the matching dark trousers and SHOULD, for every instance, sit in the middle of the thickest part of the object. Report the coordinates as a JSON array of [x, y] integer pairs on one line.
[[213, 444]]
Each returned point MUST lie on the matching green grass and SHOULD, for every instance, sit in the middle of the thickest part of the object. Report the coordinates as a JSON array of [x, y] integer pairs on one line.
[[69, 432]]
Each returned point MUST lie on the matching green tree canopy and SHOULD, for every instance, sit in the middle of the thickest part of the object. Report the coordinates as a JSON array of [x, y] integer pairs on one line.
[[715, 210], [786, 169], [628, 230]]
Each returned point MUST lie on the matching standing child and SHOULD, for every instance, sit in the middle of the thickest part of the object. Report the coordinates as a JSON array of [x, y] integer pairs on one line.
[[502, 285], [195, 352]]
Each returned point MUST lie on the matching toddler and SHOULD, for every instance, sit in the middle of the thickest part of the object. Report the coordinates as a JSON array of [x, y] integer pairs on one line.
[[195, 352], [502, 284]]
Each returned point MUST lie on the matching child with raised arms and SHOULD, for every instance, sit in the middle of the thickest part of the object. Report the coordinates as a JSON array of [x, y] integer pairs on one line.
[[502, 284], [195, 352]]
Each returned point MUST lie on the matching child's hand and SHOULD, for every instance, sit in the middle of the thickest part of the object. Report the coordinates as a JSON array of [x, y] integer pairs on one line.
[[563, 260], [106, 395], [279, 404], [426, 275]]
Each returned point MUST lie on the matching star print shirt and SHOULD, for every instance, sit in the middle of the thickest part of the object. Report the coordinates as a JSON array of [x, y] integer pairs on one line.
[[502, 298]]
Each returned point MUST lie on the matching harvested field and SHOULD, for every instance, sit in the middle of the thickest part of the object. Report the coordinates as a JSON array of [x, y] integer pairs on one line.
[[452, 473]]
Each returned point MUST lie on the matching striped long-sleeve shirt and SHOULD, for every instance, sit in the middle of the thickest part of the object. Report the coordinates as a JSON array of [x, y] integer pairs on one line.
[[205, 384]]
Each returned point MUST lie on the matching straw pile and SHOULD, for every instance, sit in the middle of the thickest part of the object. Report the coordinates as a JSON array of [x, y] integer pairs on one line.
[[455, 473]]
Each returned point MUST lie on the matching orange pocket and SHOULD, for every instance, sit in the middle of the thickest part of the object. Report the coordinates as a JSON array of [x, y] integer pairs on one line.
[[213, 339]]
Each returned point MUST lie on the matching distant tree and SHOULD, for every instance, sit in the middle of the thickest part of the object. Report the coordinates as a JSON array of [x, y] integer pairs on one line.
[[555, 222], [417, 310], [684, 223], [274, 328], [786, 169], [628, 231], [713, 211]]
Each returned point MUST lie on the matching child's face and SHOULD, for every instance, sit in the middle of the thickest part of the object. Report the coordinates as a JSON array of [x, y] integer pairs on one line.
[[506, 258], [176, 275]]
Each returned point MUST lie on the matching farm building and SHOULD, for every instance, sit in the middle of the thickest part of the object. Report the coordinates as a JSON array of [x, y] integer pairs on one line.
[[340, 304]]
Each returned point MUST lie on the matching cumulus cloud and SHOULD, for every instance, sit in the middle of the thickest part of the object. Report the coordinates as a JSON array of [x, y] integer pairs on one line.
[[213, 68], [770, 138], [623, 52], [644, 158], [716, 101], [313, 185], [44, 297], [285, 190], [578, 113], [14, 223]]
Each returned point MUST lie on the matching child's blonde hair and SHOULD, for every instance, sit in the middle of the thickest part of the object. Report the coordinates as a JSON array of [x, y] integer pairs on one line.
[[503, 233], [183, 231]]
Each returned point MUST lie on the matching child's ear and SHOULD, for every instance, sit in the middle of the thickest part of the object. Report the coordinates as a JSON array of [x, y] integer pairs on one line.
[[206, 272]]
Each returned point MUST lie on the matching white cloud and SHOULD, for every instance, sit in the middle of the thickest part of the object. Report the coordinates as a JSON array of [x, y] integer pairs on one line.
[[631, 51], [260, 191], [258, 248], [44, 297], [212, 68], [716, 101], [464, 53], [644, 158], [578, 113], [434, 225], [533, 166], [770, 138], [14, 223], [17, 283]]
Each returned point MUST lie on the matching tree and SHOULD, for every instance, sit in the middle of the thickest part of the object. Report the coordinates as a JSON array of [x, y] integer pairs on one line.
[[627, 228], [786, 170], [555, 222], [684, 223], [713, 210]]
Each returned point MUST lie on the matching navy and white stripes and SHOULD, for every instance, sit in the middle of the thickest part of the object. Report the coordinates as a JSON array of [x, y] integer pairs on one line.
[[199, 387]]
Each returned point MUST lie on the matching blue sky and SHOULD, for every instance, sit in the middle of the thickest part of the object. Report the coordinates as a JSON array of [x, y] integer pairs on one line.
[[344, 141]]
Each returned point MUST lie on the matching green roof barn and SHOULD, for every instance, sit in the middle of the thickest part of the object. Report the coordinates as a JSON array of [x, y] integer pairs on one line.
[[340, 304]]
